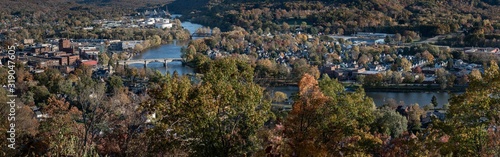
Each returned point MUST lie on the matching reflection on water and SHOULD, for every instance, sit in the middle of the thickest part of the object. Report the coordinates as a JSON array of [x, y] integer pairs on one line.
[[168, 50], [380, 98], [191, 27], [422, 98], [288, 90], [171, 67]]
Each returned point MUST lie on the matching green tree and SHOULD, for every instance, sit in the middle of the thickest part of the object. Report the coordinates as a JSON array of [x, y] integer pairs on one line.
[[406, 64], [414, 114], [50, 79], [390, 122], [475, 75], [279, 96], [170, 103], [103, 59], [469, 114], [303, 25], [265, 68], [330, 87], [442, 77], [115, 83], [434, 101], [230, 110], [156, 40], [41, 93], [224, 111], [89, 97], [285, 27], [387, 40]]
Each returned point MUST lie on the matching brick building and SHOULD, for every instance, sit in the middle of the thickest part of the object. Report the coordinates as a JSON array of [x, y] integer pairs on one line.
[[39, 50], [67, 59], [65, 45]]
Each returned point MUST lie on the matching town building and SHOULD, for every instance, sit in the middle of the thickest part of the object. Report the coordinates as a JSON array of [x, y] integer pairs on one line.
[[130, 44], [65, 45], [163, 25]]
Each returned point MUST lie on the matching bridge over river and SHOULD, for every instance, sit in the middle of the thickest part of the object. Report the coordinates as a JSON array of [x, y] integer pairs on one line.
[[165, 61]]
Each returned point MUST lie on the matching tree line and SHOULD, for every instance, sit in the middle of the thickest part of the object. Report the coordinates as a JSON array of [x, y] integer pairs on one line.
[[225, 113]]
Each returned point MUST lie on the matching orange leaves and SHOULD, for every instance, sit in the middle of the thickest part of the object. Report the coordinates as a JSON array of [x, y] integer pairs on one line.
[[304, 121], [55, 105], [307, 83], [311, 97]]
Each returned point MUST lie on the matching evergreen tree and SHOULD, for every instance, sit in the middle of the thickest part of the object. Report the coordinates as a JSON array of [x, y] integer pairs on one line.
[[434, 101]]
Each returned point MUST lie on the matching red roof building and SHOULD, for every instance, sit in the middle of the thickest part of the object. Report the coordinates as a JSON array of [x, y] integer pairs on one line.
[[90, 63]]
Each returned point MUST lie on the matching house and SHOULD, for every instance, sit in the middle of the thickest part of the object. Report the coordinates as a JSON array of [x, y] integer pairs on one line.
[[379, 41], [341, 75], [100, 74], [428, 117], [428, 70], [402, 110], [38, 114], [28, 41], [377, 67], [458, 63], [429, 80], [363, 72], [330, 68], [88, 28], [482, 50]]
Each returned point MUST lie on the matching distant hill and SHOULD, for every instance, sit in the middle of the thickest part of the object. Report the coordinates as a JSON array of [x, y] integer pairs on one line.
[[429, 17], [31, 6]]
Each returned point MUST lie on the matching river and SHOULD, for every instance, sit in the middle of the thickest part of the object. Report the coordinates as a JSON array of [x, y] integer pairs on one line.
[[168, 50], [380, 98], [173, 50]]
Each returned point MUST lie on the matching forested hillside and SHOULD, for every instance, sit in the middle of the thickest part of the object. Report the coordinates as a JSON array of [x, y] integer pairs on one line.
[[36, 20], [427, 18]]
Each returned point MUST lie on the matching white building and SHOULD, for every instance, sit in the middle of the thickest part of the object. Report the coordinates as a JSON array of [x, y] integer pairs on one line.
[[87, 48], [163, 23], [150, 21]]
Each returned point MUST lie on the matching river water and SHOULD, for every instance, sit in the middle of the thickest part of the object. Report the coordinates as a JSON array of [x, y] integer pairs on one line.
[[168, 50], [381, 98], [173, 50]]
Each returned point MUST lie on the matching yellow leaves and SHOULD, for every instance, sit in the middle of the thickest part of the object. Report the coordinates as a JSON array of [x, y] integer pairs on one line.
[[307, 84], [302, 37], [491, 72], [427, 55]]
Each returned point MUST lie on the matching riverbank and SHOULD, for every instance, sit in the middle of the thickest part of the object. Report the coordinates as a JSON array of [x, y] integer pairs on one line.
[[275, 82], [412, 88], [352, 86]]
